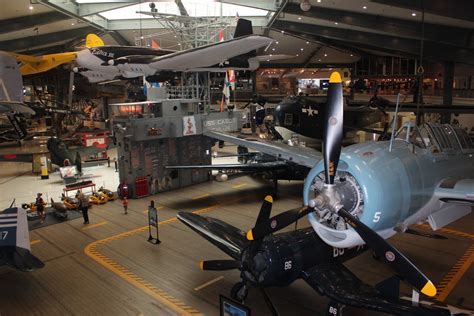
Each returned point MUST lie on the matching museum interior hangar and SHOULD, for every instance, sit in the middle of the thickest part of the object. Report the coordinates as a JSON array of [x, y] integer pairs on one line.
[[236, 157]]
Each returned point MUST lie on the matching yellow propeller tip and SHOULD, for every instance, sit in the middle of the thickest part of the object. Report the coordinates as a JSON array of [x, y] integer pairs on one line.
[[429, 289], [269, 198], [249, 235], [201, 265], [335, 78]]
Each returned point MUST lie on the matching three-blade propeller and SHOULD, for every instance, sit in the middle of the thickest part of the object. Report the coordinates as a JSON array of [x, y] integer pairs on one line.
[[253, 246], [332, 143]]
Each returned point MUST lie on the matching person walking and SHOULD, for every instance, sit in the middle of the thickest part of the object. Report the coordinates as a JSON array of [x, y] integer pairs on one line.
[[40, 207], [125, 205], [84, 206]]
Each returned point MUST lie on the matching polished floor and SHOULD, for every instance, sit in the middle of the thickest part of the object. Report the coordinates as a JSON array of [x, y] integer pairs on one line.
[[109, 268]]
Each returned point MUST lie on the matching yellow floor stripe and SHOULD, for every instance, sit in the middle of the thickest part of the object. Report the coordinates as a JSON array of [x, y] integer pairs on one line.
[[455, 274], [239, 185], [449, 231], [34, 242], [161, 296], [94, 225], [208, 283], [200, 196]]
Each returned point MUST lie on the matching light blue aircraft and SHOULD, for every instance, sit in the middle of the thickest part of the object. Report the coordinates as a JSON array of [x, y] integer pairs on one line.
[[355, 195]]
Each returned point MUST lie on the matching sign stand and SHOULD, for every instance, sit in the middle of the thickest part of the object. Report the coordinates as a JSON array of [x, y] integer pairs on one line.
[[153, 222]]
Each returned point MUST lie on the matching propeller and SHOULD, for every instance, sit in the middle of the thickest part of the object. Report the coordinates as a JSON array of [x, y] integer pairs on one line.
[[246, 261], [219, 265], [332, 144]]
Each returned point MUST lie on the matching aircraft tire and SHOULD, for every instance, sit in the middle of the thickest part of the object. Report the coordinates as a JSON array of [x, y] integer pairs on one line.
[[239, 291]]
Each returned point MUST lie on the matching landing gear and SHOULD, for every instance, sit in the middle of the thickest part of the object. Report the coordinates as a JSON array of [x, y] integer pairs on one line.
[[239, 291]]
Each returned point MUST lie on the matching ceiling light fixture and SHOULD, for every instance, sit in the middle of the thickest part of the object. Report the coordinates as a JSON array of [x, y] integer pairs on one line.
[[352, 55], [301, 49], [277, 42], [305, 5], [364, 7], [299, 18], [282, 32], [307, 42], [336, 23], [413, 14], [30, 7], [325, 55]]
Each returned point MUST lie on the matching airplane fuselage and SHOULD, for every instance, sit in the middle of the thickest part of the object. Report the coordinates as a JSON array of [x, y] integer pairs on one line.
[[97, 63], [387, 190], [301, 115]]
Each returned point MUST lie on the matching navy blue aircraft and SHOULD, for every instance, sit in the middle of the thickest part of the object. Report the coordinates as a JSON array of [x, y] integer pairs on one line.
[[15, 249], [354, 197]]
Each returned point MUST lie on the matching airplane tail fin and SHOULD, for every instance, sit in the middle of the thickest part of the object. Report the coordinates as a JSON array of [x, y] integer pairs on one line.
[[93, 40], [243, 28], [15, 241]]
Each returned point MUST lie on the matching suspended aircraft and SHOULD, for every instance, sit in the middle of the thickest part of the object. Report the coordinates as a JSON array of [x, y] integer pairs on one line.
[[368, 192], [15, 249], [99, 62]]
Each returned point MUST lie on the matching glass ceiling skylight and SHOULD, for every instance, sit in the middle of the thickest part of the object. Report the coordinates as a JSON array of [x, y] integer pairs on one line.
[[195, 8]]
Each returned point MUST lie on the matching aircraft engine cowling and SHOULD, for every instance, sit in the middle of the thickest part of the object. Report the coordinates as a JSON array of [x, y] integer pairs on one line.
[[373, 185]]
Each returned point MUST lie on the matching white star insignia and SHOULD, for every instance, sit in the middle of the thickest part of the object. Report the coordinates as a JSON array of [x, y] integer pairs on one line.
[[309, 111]]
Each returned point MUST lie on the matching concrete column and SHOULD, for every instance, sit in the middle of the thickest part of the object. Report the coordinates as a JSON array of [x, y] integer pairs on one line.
[[448, 80]]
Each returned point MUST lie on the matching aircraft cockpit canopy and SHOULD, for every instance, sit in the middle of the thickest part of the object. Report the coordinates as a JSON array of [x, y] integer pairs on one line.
[[440, 137]]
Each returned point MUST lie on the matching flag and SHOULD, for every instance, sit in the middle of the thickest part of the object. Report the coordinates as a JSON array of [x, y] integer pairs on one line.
[[154, 44], [231, 79], [226, 91], [221, 35]]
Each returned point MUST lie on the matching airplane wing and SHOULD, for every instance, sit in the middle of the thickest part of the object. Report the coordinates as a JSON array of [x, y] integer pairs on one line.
[[457, 198], [339, 284], [209, 55], [226, 237], [253, 167], [303, 156], [6, 107], [456, 191]]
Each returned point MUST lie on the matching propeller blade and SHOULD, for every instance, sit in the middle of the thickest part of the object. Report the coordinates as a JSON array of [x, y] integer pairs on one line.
[[265, 211], [219, 265], [332, 141], [394, 258], [277, 222]]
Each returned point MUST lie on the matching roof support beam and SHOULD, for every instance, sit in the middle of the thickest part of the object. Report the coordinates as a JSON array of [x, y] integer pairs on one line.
[[432, 50], [458, 9], [256, 4], [310, 65], [134, 24], [72, 9], [25, 22], [41, 40], [393, 26], [85, 9]]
